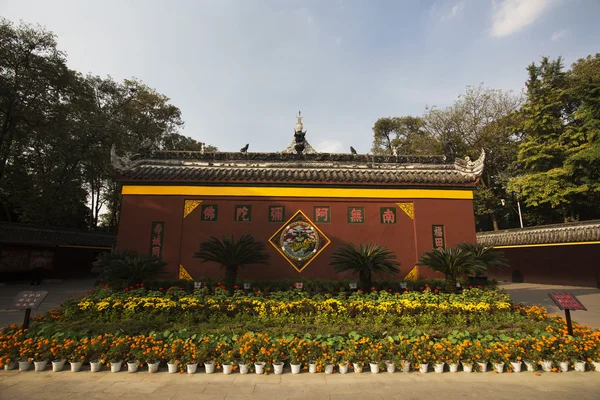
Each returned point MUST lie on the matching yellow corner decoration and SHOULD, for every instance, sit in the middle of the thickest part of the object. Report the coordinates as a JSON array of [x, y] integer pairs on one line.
[[413, 275], [183, 274], [408, 208], [189, 206]]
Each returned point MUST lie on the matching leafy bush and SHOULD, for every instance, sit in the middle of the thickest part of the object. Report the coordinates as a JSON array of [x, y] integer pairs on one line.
[[125, 267]]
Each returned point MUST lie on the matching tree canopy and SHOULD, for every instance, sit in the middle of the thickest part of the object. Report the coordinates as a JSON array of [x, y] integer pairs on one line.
[[542, 149], [57, 127]]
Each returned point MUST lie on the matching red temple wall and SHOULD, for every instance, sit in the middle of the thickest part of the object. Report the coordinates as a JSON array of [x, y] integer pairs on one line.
[[407, 238]]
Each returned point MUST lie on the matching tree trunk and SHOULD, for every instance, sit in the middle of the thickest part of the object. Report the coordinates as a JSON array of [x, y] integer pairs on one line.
[[365, 282], [495, 222], [230, 278], [450, 283]]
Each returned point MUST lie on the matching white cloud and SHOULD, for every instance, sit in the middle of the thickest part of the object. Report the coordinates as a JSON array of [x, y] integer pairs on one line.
[[513, 15], [456, 11], [559, 34], [338, 40], [330, 146]]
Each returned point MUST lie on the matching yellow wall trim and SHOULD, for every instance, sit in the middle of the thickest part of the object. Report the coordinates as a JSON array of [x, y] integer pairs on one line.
[[543, 245], [249, 191]]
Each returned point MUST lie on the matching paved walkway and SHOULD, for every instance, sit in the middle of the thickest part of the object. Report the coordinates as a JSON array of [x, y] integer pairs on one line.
[[534, 294], [57, 291], [164, 386]]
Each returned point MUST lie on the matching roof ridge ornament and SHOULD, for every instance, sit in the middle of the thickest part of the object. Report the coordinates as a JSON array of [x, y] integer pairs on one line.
[[471, 167], [299, 143]]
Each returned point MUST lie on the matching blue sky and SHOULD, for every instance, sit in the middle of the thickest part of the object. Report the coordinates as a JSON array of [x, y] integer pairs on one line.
[[240, 70]]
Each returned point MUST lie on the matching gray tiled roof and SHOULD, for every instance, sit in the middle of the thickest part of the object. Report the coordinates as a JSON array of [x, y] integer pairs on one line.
[[586, 231], [48, 236], [309, 168]]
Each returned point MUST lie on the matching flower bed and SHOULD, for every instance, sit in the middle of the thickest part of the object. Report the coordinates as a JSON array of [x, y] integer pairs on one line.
[[416, 328]]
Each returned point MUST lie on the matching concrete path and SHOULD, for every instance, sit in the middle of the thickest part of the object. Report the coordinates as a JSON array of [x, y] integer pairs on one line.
[[164, 386], [57, 291], [534, 294]]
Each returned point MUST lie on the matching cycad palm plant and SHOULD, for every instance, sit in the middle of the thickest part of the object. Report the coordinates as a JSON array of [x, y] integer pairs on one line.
[[485, 256], [452, 262], [366, 261], [232, 255], [127, 266]]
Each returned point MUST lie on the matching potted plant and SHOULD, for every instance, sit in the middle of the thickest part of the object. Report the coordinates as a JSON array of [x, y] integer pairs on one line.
[[174, 353], [516, 351], [77, 352], [467, 357], [152, 352], [26, 353], [205, 352], [116, 353], [42, 353], [278, 356], [190, 356], [297, 354]]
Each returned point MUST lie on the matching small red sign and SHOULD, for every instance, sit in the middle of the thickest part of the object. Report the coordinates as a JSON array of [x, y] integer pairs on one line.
[[566, 301]]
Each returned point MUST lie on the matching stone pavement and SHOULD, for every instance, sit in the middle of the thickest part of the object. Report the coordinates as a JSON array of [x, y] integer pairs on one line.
[[164, 386], [534, 294], [57, 291]]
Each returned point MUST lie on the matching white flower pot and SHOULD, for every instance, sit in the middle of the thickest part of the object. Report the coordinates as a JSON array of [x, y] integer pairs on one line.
[[438, 368], [531, 366], [312, 368], [329, 369], [24, 365], [482, 366], [10, 366], [259, 367], [95, 366], [243, 368], [58, 365], [227, 369], [499, 367], [405, 365], [116, 366], [546, 366], [172, 368], [153, 367], [580, 366], [40, 366], [596, 365], [564, 366], [296, 368], [516, 366], [343, 368], [209, 367], [191, 368], [374, 368], [467, 367], [278, 368], [453, 367], [132, 366], [423, 368], [390, 366], [357, 368], [76, 366]]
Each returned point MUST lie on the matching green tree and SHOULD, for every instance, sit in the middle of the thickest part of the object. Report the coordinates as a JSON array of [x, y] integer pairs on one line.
[[366, 261], [232, 255], [402, 136], [559, 155], [452, 262]]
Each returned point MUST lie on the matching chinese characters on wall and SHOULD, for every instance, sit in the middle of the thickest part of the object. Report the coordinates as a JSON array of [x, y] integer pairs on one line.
[[243, 213], [276, 213], [356, 215], [439, 241], [157, 236], [322, 214], [209, 212]]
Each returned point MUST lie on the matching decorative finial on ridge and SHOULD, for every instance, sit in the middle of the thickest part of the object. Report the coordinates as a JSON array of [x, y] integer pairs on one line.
[[299, 125]]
